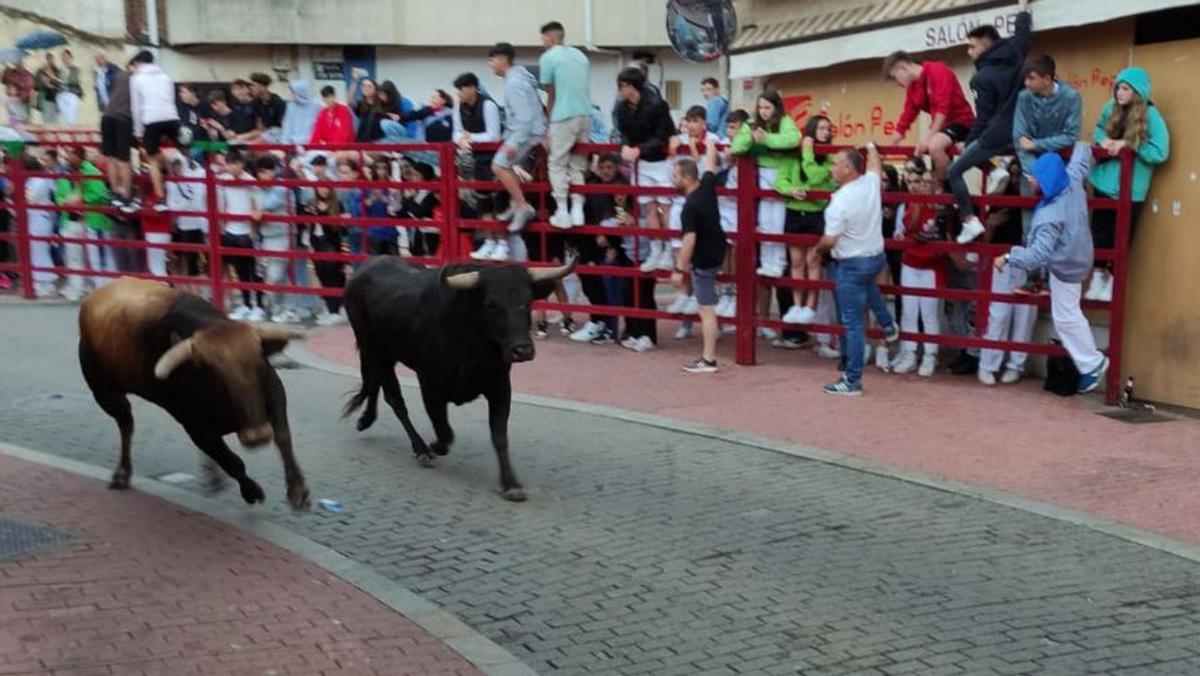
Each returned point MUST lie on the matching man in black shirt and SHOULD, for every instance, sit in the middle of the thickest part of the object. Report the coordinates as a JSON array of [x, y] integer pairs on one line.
[[703, 250], [244, 121], [268, 107], [645, 123]]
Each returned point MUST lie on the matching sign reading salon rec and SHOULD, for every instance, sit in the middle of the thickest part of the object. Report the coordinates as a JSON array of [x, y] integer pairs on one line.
[[951, 31]]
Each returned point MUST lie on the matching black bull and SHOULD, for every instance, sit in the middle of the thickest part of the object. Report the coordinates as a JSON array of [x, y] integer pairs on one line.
[[460, 329]]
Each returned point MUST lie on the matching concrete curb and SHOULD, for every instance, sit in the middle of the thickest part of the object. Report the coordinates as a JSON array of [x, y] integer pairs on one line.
[[1134, 534], [472, 646]]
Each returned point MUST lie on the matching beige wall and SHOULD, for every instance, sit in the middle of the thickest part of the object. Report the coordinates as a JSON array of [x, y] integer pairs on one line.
[[1163, 326], [412, 22], [102, 18]]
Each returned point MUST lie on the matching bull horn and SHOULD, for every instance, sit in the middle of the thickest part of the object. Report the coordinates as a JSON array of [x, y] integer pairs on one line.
[[172, 358], [278, 333], [463, 281], [550, 274]]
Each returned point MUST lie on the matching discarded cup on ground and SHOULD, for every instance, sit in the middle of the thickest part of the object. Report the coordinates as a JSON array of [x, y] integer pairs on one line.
[[330, 505]]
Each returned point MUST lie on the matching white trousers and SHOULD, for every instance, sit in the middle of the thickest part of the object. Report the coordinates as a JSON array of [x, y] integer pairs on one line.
[[156, 259], [913, 308], [68, 107], [275, 270], [1008, 321], [39, 251], [1072, 327], [771, 215], [826, 310]]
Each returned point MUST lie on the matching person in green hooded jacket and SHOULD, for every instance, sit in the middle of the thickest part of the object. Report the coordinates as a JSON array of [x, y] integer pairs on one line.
[[805, 216], [86, 192], [1129, 120]]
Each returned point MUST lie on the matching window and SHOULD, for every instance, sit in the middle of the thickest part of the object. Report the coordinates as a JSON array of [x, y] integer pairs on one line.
[[673, 93], [1171, 24]]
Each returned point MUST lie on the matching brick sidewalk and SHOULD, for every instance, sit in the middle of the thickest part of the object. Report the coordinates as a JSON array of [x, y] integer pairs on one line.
[[1015, 438], [127, 584]]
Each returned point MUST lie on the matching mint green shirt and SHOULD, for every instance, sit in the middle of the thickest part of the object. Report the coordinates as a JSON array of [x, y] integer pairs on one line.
[[567, 69]]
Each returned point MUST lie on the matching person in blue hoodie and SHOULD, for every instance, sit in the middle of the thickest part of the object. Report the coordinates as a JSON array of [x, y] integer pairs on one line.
[[1060, 239], [300, 114], [1129, 120]]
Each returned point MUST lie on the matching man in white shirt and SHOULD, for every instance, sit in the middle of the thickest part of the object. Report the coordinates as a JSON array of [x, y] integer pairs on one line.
[[854, 237], [155, 117]]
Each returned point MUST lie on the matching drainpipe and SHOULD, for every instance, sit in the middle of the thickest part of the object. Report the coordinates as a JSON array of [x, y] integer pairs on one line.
[[152, 22]]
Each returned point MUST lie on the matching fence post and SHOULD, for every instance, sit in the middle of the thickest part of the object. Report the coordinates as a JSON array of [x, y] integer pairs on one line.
[[1116, 328], [745, 274], [21, 217], [216, 271], [449, 199]]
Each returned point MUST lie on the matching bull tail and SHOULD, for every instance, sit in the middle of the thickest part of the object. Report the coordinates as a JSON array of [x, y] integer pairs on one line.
[[356, 402]]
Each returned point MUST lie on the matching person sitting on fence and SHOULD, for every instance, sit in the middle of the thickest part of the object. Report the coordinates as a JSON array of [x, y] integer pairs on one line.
[[477, 120], [930, 87], [606, 210], [272, 200], [155, 117], [526, 125], [235, 203], [1061, 240], [920, 268], [728, 206], [644, 121], [1129, 120], [806, 216], [335, 123]]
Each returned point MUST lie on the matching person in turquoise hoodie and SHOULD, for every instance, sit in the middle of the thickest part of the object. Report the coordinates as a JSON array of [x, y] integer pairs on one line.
[[806, 216], [1061, 241], [1129, 120], [772, 138]]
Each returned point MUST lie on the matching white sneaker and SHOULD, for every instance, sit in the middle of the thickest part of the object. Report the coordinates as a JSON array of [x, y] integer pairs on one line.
[[561, 219], [691, 306], [589, 332], [772, 271], [520, 217], [644, 344], [577, 217], [997, 179], [827, 351], [666, 261], [331, 319], [882, 361], [867, 353], [767, 333], [1095, 286], [506, 215], [906, 362], [1106, 289], [928, 366], [727, 307], [971, 229], [73, 294], [256, 314], [629, 342], [484, 252], [987, 378], [500, 251], [650, 264], [291, 316], [678, 305], [800, 314], [239, 313], [684, 331], [1010, 377]]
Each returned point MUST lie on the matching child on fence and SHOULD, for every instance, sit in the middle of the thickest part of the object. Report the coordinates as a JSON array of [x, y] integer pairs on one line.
[[728, 206], [920, 268], [1060, 239], [273, 236], [235, 203]]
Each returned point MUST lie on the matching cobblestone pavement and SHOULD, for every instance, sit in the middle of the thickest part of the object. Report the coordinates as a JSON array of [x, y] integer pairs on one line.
[[138, 587], [649, 551]]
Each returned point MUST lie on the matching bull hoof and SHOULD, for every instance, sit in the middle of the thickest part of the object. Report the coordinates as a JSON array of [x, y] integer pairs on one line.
[[425, 460], [251, 492], [120, 482], [440, 448], [364, 422], [298, 497], [514, 494]]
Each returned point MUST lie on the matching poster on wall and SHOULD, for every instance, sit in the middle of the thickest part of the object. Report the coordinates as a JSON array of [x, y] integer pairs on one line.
[[328, 70]]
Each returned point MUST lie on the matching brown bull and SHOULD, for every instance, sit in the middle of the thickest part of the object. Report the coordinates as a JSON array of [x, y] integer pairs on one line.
[[176, 350]]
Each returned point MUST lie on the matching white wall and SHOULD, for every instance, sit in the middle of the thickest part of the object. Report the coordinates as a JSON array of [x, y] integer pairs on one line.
[[105, 18]]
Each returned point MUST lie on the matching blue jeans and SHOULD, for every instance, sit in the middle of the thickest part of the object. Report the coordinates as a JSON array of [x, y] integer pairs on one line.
[[616, 292], [300, 301], [856, 290]]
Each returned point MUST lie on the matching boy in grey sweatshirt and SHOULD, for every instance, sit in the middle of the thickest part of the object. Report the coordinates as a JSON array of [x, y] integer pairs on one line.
[[525, 127], [1060, 239]]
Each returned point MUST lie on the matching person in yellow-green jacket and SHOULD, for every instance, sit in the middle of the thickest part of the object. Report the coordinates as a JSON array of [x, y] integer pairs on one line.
[[70, 192], [806, 216], [772, 138]]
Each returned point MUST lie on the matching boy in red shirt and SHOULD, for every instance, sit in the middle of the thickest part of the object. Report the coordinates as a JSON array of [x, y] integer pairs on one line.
[[931, 87], [334, 123]]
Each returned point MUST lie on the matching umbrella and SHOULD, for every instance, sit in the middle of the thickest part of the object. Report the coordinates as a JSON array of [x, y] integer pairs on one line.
[[11, 55], [42, 40]]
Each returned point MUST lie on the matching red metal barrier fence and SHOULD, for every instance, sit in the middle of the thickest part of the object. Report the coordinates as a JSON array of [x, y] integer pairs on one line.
[[453, 227]]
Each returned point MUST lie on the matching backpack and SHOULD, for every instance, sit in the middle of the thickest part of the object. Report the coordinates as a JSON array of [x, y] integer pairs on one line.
[[1062, 378]]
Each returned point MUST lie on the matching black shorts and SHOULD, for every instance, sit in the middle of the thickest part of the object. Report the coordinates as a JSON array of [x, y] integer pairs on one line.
[[116, 137], [155, 132], [191, 259], [555, 246], [957, 132], [804, 223]]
